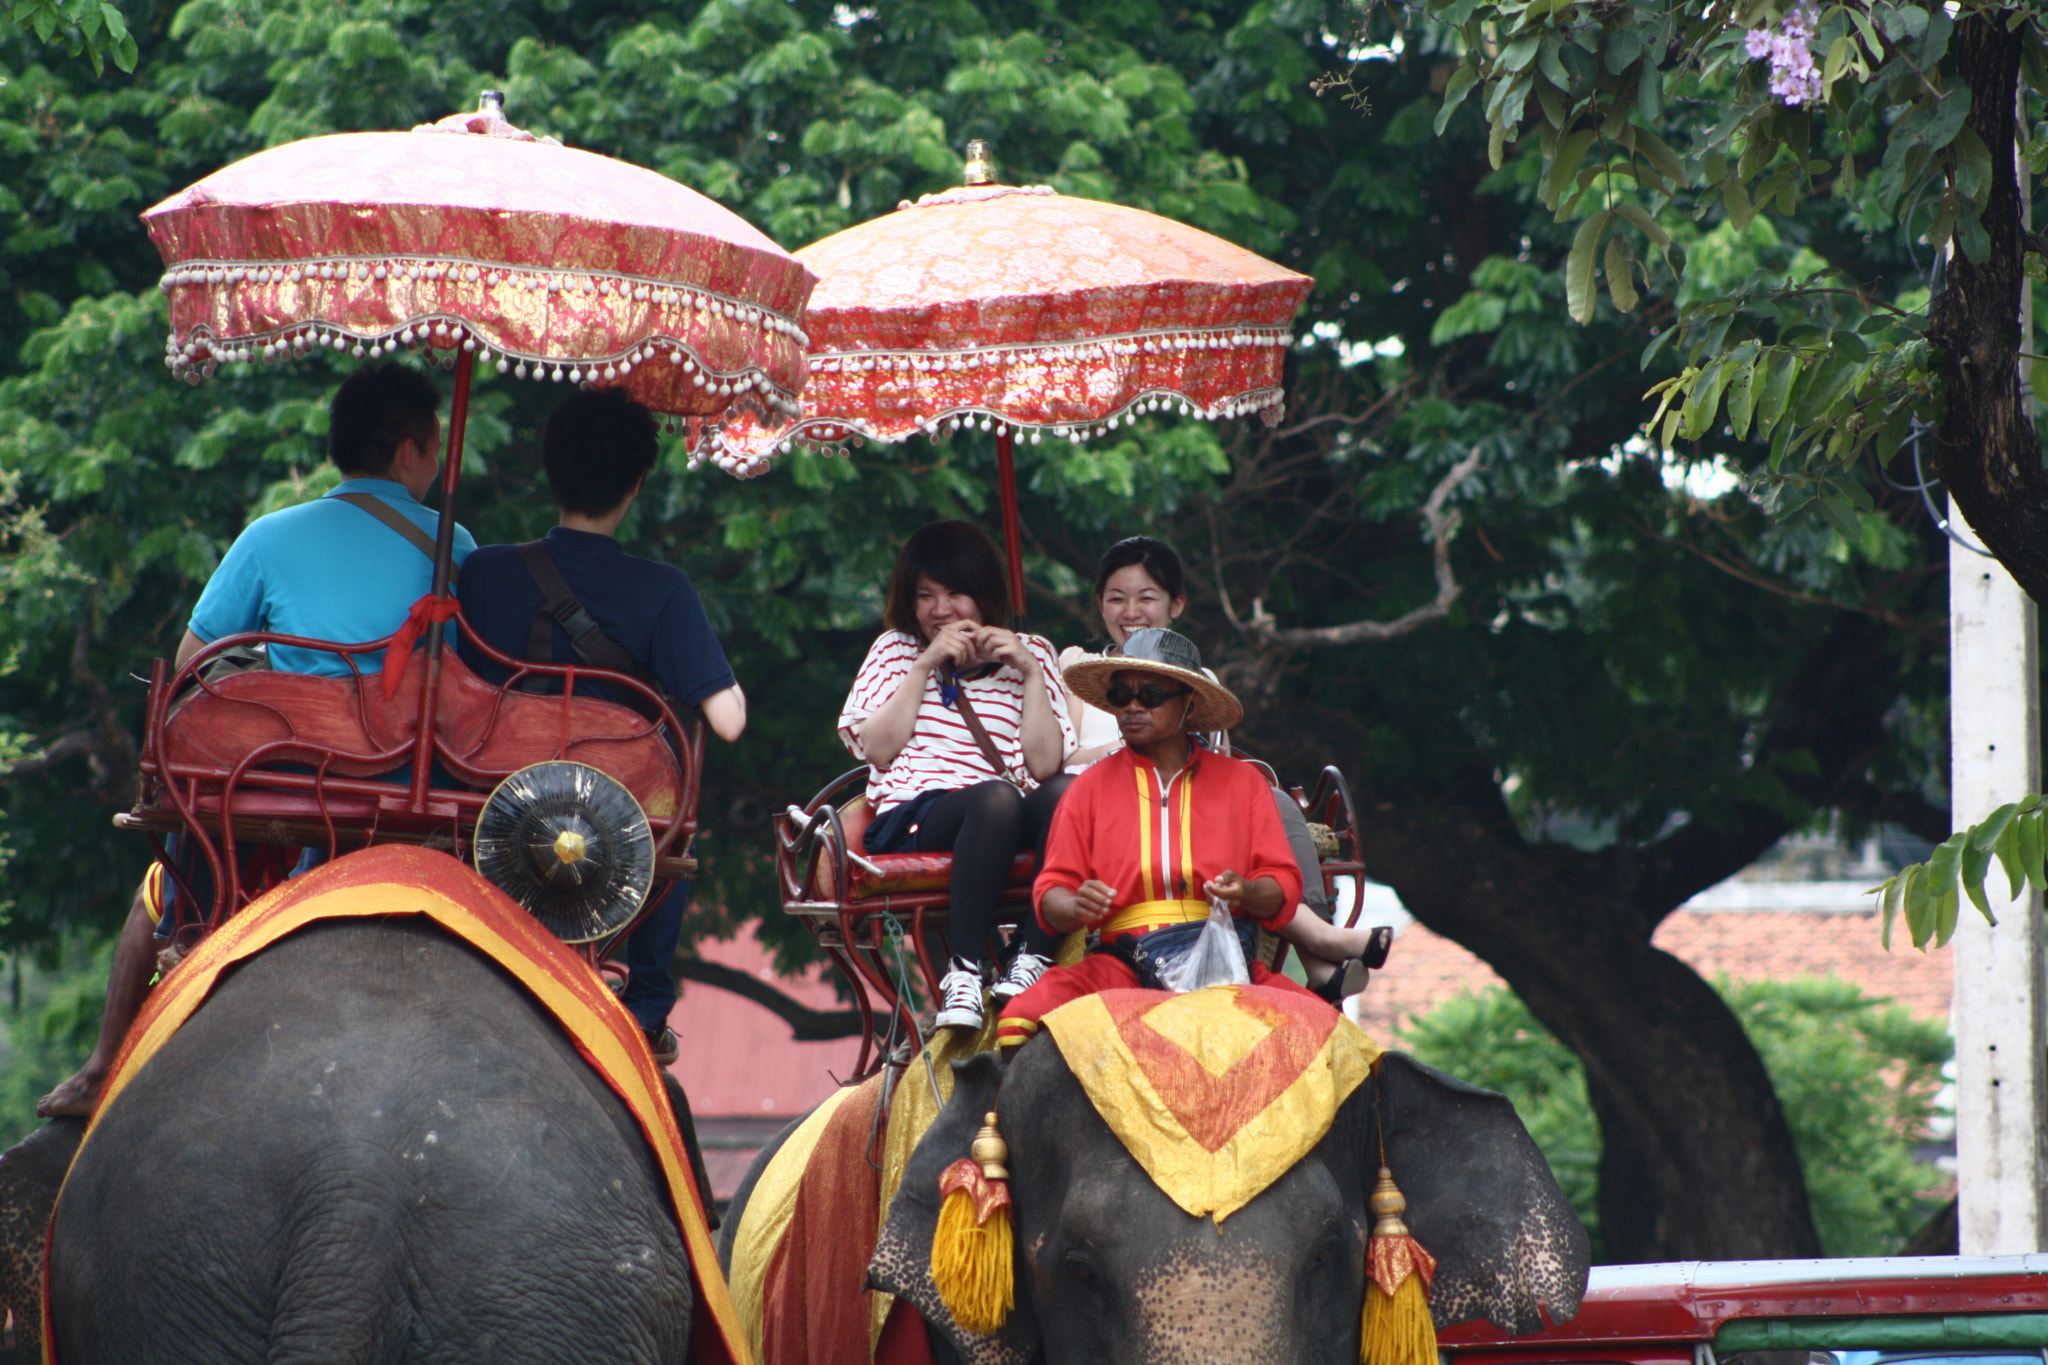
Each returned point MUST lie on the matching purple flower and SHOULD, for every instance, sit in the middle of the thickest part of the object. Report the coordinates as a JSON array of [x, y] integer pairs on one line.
[[1794, 78]]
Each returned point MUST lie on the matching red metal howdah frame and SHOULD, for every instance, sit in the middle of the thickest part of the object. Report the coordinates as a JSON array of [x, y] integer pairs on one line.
[[219, 804], [823, 877]]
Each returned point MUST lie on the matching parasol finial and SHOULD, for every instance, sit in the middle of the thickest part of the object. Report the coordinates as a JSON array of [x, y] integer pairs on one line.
[[981, 164], [487, 120]]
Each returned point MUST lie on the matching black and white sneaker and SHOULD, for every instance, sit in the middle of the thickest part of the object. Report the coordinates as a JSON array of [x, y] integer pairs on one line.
[[1023, 974], [960, 991]]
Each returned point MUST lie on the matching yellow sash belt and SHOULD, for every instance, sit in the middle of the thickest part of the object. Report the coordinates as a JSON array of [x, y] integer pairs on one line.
[[1146, 916]]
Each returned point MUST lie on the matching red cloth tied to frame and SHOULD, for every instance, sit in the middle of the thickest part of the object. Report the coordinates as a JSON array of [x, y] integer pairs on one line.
[[430, 611]]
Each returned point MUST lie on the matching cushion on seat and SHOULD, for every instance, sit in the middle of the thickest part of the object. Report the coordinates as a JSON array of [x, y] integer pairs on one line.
[[485, 733], [896, 873]]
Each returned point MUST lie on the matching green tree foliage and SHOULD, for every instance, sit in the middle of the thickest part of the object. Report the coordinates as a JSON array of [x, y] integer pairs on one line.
[[1633, 680], [1859, 120], [94, 28], [51, 1018], [1844, 124], [1859, 1078]]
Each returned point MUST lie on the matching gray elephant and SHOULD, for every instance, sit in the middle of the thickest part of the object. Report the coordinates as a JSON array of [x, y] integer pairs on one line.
[[1109, 1269], [30, 1172], [370, 1143]]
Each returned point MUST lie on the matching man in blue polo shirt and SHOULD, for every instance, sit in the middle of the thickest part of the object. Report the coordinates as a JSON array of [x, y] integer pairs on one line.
[[342, 568], [597, 448]]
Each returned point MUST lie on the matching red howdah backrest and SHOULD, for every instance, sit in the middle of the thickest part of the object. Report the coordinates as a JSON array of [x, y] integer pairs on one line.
[[485, 734]]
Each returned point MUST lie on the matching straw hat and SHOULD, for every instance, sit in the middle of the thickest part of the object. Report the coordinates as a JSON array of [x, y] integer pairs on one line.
[[1168, 654]]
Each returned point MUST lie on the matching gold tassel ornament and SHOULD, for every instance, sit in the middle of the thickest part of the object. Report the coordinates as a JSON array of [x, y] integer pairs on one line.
[[1397, 1328], [973, 1244]]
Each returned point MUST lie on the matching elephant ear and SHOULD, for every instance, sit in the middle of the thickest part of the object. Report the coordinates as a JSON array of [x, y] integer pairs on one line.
[[902, 1263], [31, 1173], [1481, 1199]]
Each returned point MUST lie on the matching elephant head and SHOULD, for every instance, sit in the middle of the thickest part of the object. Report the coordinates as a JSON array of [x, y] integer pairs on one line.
[[1108, 1268]]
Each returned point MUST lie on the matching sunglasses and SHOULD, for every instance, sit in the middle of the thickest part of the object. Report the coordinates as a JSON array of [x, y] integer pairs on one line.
[[1150, 696]]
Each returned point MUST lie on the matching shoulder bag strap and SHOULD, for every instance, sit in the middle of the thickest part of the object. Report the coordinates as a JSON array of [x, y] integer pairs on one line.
[[397, 521], [980, 733], [560, 607]]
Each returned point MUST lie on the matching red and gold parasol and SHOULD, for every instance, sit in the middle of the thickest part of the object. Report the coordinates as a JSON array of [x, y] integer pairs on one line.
[[474, 237], [1014, 309], [479, 243]]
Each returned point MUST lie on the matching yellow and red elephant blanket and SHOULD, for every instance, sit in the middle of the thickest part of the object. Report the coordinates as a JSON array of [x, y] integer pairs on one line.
[[391, 880], [1215, 1092]]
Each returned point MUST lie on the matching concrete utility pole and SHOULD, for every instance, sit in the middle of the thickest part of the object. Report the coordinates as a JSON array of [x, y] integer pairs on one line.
[[2001, 1044], [1995, 756]]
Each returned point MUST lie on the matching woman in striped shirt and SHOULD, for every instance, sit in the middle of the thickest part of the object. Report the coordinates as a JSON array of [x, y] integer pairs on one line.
[[940, 669]]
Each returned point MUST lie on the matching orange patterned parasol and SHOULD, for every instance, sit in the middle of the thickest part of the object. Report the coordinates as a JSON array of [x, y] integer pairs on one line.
[[492, 244], [1016, 309]]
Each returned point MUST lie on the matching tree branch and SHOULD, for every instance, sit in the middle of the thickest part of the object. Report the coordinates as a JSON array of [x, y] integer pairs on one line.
[[806, 1025], [107, 747], [1931, 631], [65, 746], [1442, 527]]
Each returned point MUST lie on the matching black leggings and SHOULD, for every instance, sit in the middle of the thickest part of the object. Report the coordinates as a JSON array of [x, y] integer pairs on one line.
[[986, 826]]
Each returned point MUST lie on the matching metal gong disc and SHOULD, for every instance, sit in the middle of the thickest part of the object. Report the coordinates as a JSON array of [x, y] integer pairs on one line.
[[571, 845]]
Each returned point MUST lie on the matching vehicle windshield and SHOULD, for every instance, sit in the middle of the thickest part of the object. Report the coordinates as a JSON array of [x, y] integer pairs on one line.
[[2007, 1356]]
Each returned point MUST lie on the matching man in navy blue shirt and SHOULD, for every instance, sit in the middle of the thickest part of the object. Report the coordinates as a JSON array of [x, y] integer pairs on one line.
[[597, 448]]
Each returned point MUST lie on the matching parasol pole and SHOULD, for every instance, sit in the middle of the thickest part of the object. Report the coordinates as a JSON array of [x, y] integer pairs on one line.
[[444, 564], [981, 170], [1013, 536]]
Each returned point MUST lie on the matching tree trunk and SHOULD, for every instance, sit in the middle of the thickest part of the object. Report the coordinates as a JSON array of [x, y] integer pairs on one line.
[[1986, 453], [1698, 1161]]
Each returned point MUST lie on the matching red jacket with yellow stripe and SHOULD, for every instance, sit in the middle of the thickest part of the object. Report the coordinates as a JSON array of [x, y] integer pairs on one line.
[[1156, 847]]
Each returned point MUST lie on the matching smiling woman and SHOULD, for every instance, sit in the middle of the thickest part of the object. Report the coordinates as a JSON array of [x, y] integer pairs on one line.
[[964, 735]]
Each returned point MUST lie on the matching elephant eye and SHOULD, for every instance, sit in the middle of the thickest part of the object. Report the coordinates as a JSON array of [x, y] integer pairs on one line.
[[1084, 1275]]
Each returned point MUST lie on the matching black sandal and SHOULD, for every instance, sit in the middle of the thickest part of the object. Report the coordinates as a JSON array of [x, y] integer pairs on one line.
[[1352, 974], [1349, 979]]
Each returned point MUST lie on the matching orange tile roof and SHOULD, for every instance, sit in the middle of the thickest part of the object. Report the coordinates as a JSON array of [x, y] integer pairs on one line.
[[738, 1059], [1425, 969]]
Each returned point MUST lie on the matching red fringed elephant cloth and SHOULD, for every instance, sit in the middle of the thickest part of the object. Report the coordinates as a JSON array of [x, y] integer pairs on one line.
[[800, 1256], [398, 880]]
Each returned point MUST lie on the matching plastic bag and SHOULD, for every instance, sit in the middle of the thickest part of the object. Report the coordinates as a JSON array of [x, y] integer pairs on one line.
[[1216, 959]]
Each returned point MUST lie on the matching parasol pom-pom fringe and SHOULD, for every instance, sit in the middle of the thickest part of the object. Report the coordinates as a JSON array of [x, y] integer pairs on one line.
[[972, 1249]]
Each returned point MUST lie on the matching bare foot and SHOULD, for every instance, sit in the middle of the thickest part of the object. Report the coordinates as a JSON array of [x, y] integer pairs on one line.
[[79, 1095]]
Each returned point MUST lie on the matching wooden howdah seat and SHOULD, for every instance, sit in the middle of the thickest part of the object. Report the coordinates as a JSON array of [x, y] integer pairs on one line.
[[298, 760], [849, 897]]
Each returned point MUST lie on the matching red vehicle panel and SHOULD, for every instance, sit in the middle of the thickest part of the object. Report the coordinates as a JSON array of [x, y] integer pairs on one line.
[[1659, 1314]]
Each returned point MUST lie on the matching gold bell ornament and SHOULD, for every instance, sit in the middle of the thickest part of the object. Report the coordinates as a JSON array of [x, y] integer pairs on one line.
[[1396, 1329], [972, 1246]]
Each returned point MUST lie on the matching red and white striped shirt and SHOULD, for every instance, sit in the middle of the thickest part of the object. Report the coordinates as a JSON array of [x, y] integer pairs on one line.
[[941, 754]]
